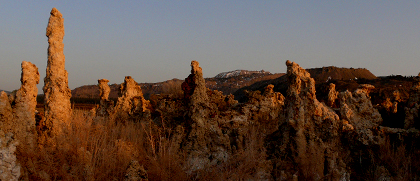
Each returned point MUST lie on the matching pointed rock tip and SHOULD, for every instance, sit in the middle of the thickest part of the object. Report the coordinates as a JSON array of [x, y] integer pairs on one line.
[[194, 63], [289, 63], [195, 67], [103, 80], [55, 12]]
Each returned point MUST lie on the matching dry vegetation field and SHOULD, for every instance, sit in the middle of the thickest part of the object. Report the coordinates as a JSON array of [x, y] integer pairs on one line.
[[99, 149]]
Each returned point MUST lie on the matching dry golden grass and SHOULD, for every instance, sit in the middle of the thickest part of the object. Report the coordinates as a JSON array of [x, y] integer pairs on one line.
[[98, 149]]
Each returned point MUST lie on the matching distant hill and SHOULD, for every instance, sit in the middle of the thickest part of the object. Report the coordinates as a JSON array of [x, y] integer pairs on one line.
[[321, 75], [236, 73], [325, 74], [227, 82]]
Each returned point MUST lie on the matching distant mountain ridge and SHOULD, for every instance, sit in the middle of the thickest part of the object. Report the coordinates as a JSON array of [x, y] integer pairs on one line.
[[227, 82], [235, 82], [239, 72], [321, 75]]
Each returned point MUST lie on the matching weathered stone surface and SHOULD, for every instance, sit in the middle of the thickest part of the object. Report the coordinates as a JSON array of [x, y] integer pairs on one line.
[[205, 143], [309, 136], [194, 86], [25, 104], [6, 113], [332, 95], [265, 109], [130, 101], [104, 89], [357, 109], [56, 90], [105, 105], [135, 172], [17, 112], [9, 168]]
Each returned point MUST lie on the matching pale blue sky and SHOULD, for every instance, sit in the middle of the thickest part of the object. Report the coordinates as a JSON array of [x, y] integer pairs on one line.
[[155, 41]]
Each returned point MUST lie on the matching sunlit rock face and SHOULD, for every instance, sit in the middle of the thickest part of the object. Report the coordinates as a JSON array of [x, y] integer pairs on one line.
[[357, 110], [56, 90], [105, 105], [17, 111], [6, 113], [25, 104], [332, 95], [130, 101]]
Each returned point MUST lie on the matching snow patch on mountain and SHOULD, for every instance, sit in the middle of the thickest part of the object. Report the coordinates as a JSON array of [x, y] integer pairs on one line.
[[238, 73]]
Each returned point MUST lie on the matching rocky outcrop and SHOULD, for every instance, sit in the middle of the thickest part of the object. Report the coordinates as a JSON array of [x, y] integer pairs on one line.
[[194, 86], [24, 105], [9, 168], [309, 135], [205, 143], [17, 115], [356, 109], [105, 105], [6, 113], [135, 172], [265, 109], [130, 101], [332, 95], [412, 110], [56, 90]]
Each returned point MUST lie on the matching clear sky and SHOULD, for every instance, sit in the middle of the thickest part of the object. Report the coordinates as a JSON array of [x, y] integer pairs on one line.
[[154, 41]]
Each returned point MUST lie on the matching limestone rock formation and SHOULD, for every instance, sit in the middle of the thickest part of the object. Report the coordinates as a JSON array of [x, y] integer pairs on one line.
[[194, 86], [205, 143], [25, 104], [105, 105], [56, 90], [357, 109], [6, 113], [332, 95], [412, 110], [9, 168], [135, 172], [266, 108], [309, 136], [130, 101]]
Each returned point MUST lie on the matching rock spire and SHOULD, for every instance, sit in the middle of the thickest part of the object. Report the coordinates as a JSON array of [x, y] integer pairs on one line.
[[25, 104], [56, 90]]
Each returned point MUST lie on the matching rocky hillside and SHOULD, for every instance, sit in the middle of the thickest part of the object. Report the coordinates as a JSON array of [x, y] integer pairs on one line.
[[227, 82], [320, 75]]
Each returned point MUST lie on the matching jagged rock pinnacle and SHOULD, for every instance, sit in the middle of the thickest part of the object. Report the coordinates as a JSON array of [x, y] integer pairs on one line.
[[56, 89]]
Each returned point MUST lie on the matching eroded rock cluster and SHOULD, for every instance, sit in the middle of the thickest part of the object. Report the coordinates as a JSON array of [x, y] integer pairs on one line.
[[130, 101], [17, 121], [18, 109], [304, 138]]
